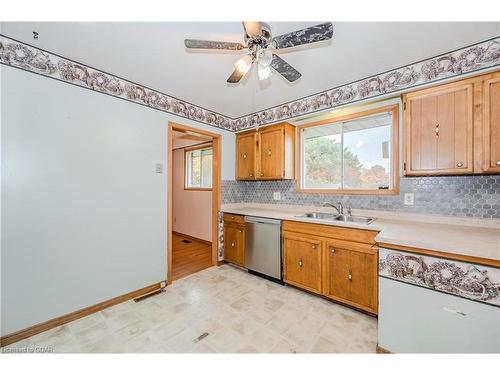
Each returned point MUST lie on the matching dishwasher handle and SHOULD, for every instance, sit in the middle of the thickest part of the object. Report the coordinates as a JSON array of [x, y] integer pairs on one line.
[[261, 220]]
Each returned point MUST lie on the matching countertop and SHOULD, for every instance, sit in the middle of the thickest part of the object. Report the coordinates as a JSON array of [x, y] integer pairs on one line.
[[476, 240]]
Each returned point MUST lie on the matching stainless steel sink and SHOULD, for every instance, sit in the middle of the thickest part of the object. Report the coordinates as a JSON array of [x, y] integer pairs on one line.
[[336, 217], [354, 219], [318, 215]]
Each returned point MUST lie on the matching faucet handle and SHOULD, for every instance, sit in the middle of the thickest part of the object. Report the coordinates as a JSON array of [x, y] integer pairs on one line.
[[349, 211]]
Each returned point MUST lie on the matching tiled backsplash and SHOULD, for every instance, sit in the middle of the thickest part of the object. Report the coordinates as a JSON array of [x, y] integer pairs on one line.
[[471, 196]]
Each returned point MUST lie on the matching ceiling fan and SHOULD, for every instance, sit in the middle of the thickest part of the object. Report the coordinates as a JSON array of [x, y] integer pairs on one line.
[[261, 44]]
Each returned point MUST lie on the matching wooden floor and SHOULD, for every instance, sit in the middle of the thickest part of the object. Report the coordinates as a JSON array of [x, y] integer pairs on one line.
[[188, 258]]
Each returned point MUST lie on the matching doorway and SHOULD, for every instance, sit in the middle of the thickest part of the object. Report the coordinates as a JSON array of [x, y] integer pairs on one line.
[[193, 200]]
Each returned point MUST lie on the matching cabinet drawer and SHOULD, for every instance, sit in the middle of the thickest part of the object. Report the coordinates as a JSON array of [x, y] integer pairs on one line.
[[330, 231], [232, 218], [418, 320]]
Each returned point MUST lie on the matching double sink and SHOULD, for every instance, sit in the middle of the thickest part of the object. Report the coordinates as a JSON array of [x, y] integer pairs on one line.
[[337, 217]]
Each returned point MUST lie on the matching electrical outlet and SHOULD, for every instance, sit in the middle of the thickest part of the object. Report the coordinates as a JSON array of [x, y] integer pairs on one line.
[[277, 196], [159, 168], [409, 199]]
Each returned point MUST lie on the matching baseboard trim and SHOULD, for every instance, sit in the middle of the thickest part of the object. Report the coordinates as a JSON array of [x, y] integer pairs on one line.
[[192, 238], [45, 326], [381, 350]]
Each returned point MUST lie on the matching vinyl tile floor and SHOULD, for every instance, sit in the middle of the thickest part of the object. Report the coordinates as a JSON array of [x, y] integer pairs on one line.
[[218, 310]]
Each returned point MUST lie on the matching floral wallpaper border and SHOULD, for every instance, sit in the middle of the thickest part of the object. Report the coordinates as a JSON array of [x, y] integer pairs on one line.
[[470, 59], [32, 59], [471, 281], [474, 58]]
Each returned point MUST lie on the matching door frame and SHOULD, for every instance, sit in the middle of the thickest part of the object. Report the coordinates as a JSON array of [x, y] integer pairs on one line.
[[216, 199]]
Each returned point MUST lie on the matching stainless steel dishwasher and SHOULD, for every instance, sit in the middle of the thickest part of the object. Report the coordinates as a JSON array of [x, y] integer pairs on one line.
[[263, 247]]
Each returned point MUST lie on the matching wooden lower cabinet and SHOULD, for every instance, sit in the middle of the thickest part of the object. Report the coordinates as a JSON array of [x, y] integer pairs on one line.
[[338, 263], [350, 275], [234, 243], [302, 262]]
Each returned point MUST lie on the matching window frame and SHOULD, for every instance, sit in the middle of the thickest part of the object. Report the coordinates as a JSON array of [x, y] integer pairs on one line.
[[394, 108], [194, 148]]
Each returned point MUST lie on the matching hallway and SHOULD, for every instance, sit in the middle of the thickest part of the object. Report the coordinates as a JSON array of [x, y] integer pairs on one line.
[[189, 255]]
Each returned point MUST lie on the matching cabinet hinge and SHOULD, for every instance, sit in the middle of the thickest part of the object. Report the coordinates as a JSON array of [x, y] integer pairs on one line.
[[404, 106], [404, 166]]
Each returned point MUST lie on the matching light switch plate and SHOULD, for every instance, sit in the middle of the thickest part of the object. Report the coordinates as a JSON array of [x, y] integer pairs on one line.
[[409, 199], [277, 196]]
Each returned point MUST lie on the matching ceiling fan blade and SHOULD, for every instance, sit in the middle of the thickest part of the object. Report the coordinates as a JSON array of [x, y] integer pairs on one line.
[[241, 68], [285, 69], [209, 44], [323, 31], [252, 28]]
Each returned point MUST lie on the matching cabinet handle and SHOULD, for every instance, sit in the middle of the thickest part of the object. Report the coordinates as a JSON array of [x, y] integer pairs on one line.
[[314, 246], [300, 263], [251, 174], [350, 275], [269, 152], [261, 174], [460, 164], [332, 249], [244, 156], [232, 244], [240, 231], [497, 162], [437, 130]]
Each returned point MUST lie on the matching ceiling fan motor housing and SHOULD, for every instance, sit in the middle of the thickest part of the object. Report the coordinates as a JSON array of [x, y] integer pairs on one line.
[[260, 41]]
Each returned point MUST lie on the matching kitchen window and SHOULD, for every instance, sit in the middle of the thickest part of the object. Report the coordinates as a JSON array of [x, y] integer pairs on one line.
[[353, 154], [198, 168]]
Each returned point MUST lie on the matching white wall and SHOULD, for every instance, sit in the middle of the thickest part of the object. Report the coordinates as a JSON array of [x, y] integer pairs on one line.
[[83, 211], [192, 209]]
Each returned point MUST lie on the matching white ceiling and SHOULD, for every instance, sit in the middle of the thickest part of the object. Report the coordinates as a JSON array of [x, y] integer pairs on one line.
[[153, 55]]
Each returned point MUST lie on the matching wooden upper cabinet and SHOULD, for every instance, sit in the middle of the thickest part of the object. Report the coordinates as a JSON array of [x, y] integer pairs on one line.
[[302, 265], [439, 130], [350, 274], [271, 153], [246, 156], [267, 154], [491, 124]]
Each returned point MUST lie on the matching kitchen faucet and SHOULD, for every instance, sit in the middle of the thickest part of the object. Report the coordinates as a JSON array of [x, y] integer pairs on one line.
[[339, 208]]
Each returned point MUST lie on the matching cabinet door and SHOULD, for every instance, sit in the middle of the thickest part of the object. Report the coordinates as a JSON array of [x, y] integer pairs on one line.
[[271, 153], [234, 242], [302, 262], [351, 276], [438, 125], [491, 125], [246, 156]]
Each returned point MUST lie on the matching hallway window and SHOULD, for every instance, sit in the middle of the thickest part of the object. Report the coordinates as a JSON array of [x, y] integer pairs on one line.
[[198, 168]]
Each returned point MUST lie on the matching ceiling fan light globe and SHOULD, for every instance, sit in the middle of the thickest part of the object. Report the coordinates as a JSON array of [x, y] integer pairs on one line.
[[265, 57], [243, 65], [264, 72]]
